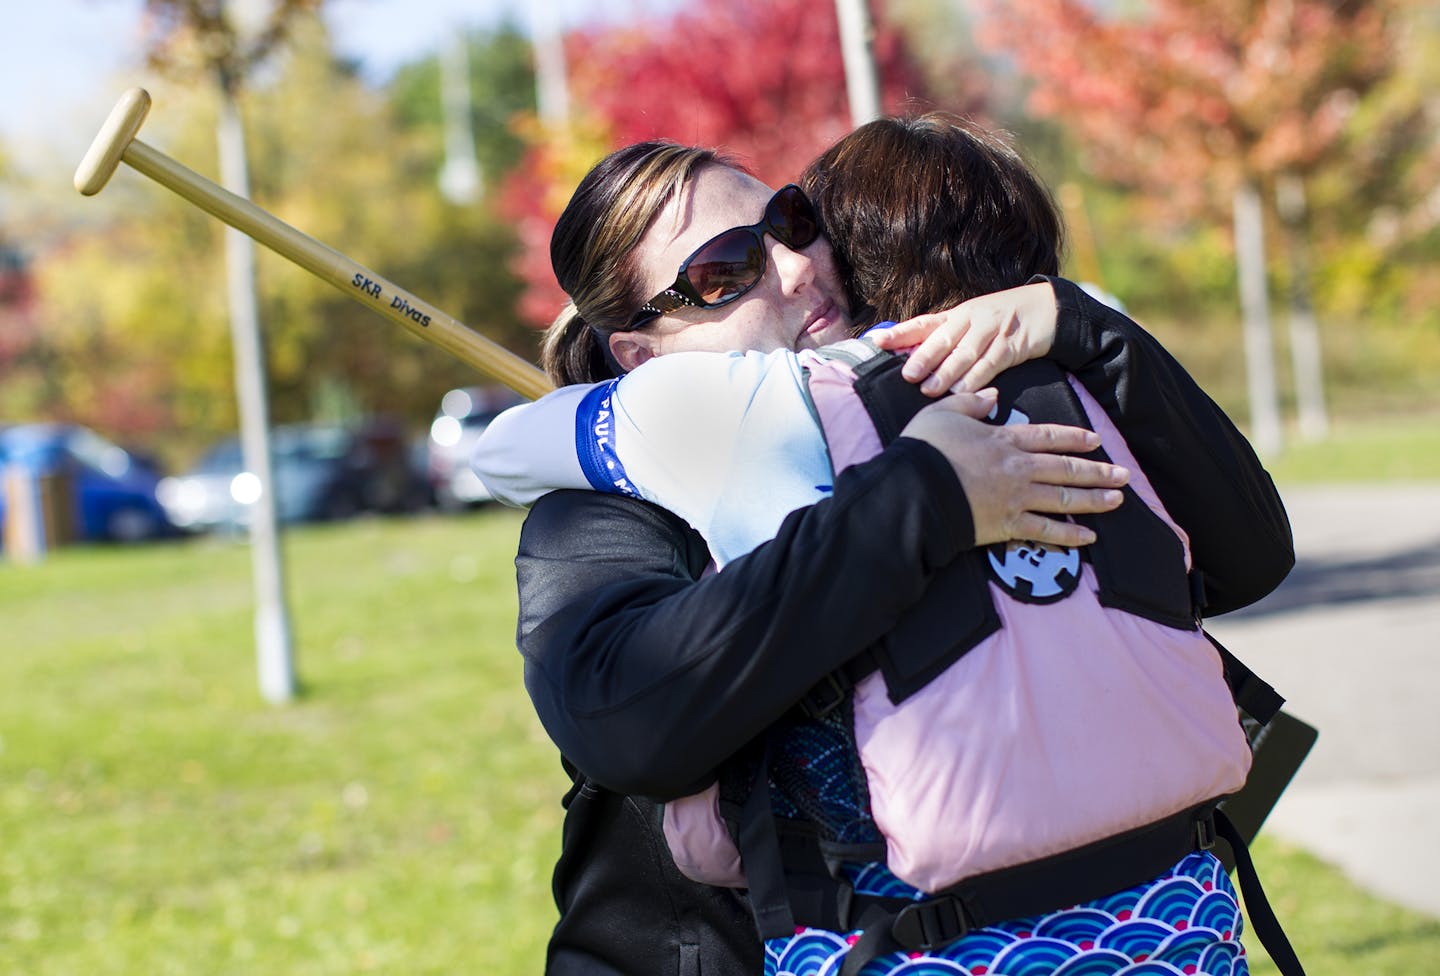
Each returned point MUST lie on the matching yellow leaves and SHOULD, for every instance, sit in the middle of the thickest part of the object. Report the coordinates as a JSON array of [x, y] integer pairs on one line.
[[138, 306], [561, 155]]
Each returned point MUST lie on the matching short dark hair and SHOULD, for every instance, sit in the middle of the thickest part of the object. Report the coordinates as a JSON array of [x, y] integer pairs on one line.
[[928, 211]]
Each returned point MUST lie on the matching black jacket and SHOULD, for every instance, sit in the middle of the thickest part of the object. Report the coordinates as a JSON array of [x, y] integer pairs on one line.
[[622, 642], [647, 675], [625, 909]]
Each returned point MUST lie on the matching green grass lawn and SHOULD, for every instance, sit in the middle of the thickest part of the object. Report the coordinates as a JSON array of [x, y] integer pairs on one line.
[[156, 817], [1385, 448]]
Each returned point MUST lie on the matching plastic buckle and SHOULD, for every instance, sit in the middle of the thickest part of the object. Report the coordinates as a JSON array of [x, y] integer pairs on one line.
[[930, 924], [825, 697], [1205, 832]]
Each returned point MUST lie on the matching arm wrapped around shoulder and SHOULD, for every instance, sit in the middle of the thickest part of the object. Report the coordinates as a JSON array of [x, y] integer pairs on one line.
[[647, 675]]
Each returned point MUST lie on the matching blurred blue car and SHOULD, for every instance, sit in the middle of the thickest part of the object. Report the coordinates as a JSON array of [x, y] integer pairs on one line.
[[112, 490], [321, 471]]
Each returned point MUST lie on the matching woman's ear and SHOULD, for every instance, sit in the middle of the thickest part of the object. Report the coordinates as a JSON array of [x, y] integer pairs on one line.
[[630, 349]]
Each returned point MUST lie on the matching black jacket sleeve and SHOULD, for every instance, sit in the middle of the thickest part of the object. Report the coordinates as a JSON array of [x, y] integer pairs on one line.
[[646, 679], [1202, 467]]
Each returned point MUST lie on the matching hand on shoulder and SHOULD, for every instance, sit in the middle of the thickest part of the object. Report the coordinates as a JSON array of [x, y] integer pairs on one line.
[[1016, 476], [966, 347]]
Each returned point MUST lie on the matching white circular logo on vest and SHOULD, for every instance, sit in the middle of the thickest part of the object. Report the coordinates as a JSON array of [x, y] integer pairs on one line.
[[1034, 572]]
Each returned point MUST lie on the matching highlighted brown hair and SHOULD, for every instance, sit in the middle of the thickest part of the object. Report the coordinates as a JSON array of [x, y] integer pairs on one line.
[[592, 251]]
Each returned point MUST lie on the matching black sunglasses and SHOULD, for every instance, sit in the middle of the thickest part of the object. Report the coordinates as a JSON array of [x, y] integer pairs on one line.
[[733, 261]]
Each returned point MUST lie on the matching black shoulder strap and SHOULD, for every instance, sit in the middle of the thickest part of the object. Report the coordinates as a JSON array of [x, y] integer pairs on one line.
[[1138, 560], [889, 398]]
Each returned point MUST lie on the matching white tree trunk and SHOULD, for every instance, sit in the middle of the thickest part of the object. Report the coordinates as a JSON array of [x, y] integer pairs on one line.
[[272, 619], [1265, 430], [460, 174], [1305, 355], [552, 87], [862, 83]]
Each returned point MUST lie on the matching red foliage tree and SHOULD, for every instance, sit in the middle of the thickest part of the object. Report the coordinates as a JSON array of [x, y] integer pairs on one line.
[[1209, 101], [762, 78], [1192, 97]]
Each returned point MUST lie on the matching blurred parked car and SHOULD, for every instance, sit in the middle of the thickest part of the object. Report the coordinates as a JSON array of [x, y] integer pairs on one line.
[[112, 490], [321, 472], [464, 413]]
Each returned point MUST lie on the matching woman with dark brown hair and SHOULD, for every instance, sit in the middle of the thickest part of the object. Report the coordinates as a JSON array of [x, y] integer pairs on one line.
[[650, 698]]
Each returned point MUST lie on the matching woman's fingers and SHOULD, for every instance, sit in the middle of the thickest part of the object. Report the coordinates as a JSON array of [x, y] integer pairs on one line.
[[966, 347], [977, 405], [957, 365], [904, 335], [1052, 438], [1057, 470], [1014, 477], [1070, 499], [1002, 351], [1037, 528], [948, 351]]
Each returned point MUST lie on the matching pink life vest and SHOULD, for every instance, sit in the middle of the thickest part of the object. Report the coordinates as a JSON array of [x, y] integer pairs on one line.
[[1072, 722]]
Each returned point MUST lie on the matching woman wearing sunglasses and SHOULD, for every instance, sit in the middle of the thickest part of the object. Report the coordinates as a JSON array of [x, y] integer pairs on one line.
[[729, 412], [620, 602]]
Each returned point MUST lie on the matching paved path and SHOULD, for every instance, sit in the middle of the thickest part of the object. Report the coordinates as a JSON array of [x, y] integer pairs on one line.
[[1352, 640]]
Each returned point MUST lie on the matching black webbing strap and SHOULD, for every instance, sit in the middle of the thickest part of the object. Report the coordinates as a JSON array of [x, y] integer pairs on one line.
[[759, 845], [891, 925], [835, 687], [1198, 600], [1257, 906], [1251, 692], [876, 939], [1035, 888]]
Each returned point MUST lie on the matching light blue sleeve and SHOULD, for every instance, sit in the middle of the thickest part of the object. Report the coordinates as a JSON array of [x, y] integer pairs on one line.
[[726, 441], [530, 449]]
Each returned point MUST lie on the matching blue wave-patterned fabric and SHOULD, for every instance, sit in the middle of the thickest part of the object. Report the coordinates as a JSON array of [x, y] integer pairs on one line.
[[1184, 923], [815, 775]]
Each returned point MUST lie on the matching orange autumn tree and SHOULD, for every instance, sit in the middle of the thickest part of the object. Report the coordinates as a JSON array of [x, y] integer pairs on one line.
[[1206, 104], [762, 78]]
